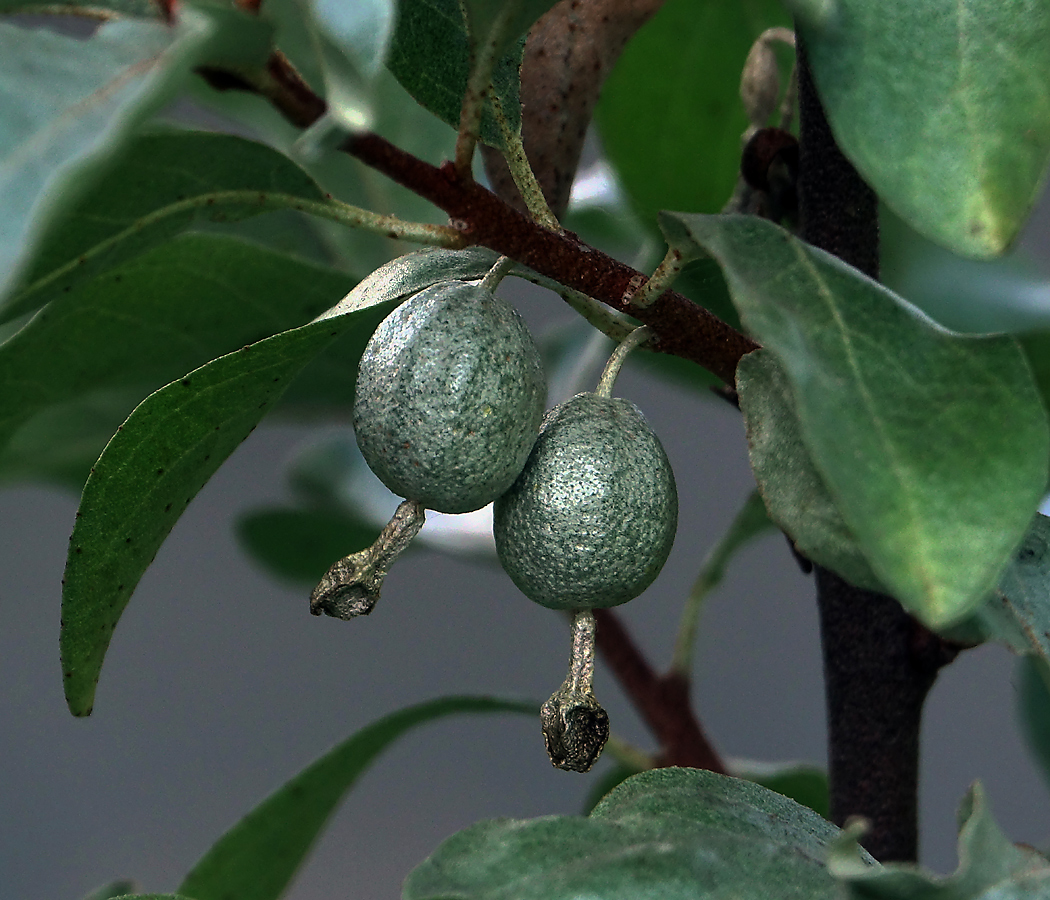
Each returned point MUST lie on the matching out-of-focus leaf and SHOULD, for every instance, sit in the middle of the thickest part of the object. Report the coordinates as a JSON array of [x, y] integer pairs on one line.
[[937, 486], [300, 544], [360, 30], [978, 296], [1032, 677], [943, 107], [802, 782], [258, 857], [163, 185], [114, 889], [990, 866], [671, 122], [66, 105], [164, 453], [144, 9], [750, 522], [793, 490], [666, 833], [431, 56], [81, 364]]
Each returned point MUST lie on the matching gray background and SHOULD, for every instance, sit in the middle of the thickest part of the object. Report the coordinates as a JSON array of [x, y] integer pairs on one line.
[[219, 685]]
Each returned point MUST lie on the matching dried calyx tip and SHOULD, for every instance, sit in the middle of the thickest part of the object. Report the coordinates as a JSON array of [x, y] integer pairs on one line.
[[575, 726], [350, 588]]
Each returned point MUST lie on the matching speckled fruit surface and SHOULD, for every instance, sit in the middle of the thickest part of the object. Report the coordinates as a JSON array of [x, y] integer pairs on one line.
[[591, 519], [450, 395]]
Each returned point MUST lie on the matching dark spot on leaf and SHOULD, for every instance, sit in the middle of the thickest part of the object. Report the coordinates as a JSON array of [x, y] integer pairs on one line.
[[118, 278], [81, 260], [127, 540], [167, 508], [120, 587], [67, 674], [160, 471], [185, 382], [66, 289], [207, 456], [278, 378], [78, 549]]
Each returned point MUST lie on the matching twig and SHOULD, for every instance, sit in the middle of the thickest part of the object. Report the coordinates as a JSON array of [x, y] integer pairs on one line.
[[682, 327], [661, 700]]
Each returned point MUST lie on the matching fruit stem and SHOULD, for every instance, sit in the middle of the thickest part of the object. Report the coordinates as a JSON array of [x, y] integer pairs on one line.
[[350, 588], [497, 273], [612, 368], [575, 727]]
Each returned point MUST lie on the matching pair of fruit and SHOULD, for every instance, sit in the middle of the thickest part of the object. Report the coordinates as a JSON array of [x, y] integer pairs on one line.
[[448, 411]]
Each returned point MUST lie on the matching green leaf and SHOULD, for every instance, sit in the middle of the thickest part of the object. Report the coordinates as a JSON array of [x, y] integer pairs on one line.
[[431, 56], [299, 544], [520, 17], [132, 329], [112, 890], [145, 9], [943, 107], [671, 122], [937, 485], [1032, 677], [804, 783], [407, 275], [1018, 613], [980, 296], [162, 185], [164, 453], [989, 865], [793, 490], [257, 858], [666, 833], [67, 104]]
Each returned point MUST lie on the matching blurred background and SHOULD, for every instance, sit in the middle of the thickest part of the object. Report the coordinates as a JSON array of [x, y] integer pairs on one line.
[[219, 685]]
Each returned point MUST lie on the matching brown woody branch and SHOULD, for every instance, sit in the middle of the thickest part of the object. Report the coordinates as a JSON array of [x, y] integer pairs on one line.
[[682, 328]]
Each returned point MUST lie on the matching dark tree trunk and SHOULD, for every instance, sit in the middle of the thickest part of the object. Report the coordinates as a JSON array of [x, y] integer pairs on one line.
[[878, 662]]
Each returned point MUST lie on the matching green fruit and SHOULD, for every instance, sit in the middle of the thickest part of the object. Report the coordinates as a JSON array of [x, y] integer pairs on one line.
[[591, 519], [450, 395]]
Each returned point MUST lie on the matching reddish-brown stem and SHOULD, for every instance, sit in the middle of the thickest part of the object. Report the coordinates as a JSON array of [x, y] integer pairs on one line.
[[682, 328], [661, 700]]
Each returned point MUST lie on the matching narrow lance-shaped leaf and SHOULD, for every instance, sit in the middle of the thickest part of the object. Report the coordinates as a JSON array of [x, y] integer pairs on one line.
[[673, 834], [136, 327], [153, 467], [258, 857], [943, 107], [938, 485], [162, 185], [66, 105], [175, 441]]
